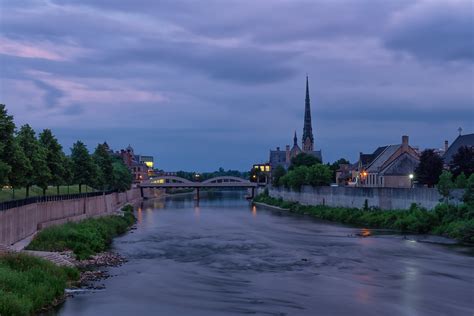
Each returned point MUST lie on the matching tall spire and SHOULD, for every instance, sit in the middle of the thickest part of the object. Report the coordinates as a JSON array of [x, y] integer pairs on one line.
[[308, 140], [295, 140]]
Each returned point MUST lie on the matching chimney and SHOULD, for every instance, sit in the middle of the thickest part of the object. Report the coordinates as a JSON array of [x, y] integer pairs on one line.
[[405, 142], [446, 146], [288, 158]]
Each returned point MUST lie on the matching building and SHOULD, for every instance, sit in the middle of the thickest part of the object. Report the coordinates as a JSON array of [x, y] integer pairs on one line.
[[140, 166], [283, 157], [390, 166], [462, 140]]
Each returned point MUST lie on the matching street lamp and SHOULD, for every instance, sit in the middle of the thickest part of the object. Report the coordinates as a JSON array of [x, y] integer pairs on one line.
[[411, 176]]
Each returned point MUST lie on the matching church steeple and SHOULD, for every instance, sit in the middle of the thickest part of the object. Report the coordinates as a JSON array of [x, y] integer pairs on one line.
[[307, 140], [295, 140]]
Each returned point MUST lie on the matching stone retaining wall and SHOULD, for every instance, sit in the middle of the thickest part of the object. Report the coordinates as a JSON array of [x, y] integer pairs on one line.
[[21, 222], [383, 198]]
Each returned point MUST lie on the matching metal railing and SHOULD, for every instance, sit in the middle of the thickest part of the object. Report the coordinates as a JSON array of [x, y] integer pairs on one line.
[[49, 198]]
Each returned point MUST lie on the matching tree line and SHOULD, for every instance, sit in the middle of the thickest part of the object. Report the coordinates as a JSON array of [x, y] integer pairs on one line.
[[28, 160]]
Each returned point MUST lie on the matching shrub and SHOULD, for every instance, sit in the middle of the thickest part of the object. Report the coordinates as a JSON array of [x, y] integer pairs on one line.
[[84, 238]]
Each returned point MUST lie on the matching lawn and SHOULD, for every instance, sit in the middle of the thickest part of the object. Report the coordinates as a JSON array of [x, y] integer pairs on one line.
[[6, 194]]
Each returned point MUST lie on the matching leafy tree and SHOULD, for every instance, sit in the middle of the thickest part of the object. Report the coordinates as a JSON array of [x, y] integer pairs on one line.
[[429, 168], [122, 178], [68, 176], [445, 185], [303, 159], [461, 181], [39, 173], [21, 166], [54, 157], [468, 197], [297, 177], [463, 161], [83, 168], [7, 129], [104, 162], [277, 173], [319, 175]]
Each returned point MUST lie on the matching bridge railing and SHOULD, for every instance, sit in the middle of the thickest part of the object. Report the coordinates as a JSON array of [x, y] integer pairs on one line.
[[48, 198]]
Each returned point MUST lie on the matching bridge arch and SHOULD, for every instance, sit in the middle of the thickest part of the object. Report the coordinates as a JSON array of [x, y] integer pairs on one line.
[[226, 179], [168, 179]]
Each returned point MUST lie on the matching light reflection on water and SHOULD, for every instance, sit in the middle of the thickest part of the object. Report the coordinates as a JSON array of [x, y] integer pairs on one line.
[[220, 258]]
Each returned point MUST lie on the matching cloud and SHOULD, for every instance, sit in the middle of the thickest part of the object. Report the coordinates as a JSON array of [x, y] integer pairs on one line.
[[434, 30], [207, 74]]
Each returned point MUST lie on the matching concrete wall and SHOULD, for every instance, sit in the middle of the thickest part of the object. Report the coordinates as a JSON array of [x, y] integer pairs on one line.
[[384, 198], [20, 222]]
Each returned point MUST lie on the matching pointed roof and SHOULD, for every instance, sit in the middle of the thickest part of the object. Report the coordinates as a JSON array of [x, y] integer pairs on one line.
[[295, 140], [461, 140], [308, 129]]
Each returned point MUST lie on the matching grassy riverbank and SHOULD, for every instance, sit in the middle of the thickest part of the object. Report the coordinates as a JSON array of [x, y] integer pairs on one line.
[[28, 284], [84, 238], [447, 220]]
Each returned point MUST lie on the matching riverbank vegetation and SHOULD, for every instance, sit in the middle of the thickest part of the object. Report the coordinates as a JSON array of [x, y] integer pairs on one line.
[[454, 221], [28, 160], [84, 238], [28, 284]]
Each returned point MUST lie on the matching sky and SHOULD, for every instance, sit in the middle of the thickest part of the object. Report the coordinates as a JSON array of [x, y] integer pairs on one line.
[[212, 83]]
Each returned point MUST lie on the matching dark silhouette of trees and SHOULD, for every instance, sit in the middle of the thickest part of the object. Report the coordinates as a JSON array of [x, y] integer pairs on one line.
[[429, 169], [463, 161]]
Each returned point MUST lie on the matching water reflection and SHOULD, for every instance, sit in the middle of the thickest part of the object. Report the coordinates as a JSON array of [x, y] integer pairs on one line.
[[276, 263]]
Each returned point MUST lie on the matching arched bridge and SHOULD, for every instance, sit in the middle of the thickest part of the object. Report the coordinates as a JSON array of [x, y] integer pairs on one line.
[[178, 182], [217, 182]]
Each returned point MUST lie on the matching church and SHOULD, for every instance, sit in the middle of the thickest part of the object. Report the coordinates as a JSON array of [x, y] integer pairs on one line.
[[283, 157]]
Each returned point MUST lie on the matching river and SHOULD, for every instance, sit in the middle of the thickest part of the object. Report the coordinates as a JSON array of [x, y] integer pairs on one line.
[[225, 257]]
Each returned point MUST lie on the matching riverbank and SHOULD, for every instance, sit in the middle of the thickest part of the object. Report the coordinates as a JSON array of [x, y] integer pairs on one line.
[[29, 284], [451, 221], [84, 238]]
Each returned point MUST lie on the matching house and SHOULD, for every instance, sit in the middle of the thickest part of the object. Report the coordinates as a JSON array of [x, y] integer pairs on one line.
[[462, 140], [390, 166]]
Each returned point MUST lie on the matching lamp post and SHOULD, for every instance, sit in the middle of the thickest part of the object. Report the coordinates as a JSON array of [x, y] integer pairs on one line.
[[411, 176]]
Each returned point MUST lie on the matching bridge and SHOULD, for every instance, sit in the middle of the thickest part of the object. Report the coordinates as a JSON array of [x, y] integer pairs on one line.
[[217, 182]]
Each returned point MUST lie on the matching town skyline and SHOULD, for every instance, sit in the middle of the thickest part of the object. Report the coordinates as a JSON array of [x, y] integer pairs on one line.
[[241, 92]]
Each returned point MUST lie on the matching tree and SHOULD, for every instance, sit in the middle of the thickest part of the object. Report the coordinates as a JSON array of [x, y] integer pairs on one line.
[[429, 168], [297, 177], [319, 175], [277, 173], [463, 161], [104, 162], [68, 176], [122, 178], [445, 185], [21, 167], [39, 173], [461, 181], [303, 159], [468, 196], [83, 168], [7, 130], [54, 157]]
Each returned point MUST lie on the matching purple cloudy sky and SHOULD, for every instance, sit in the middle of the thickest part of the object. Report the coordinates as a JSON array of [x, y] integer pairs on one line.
[[210, 83]]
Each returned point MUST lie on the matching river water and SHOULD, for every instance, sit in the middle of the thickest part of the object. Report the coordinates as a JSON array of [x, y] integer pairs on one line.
[[225, 257]]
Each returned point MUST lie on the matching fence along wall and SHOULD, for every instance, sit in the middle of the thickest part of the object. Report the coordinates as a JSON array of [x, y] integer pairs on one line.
[[383, 198], [20, 222]]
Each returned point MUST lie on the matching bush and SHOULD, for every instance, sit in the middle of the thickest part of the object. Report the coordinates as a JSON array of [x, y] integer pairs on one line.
[[84, 238], [448, 220], [29, 283]]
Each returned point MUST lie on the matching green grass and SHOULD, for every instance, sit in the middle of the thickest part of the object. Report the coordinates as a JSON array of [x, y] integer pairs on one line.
[[448, 220], [6, 194], [84, 238], [28, 283]]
